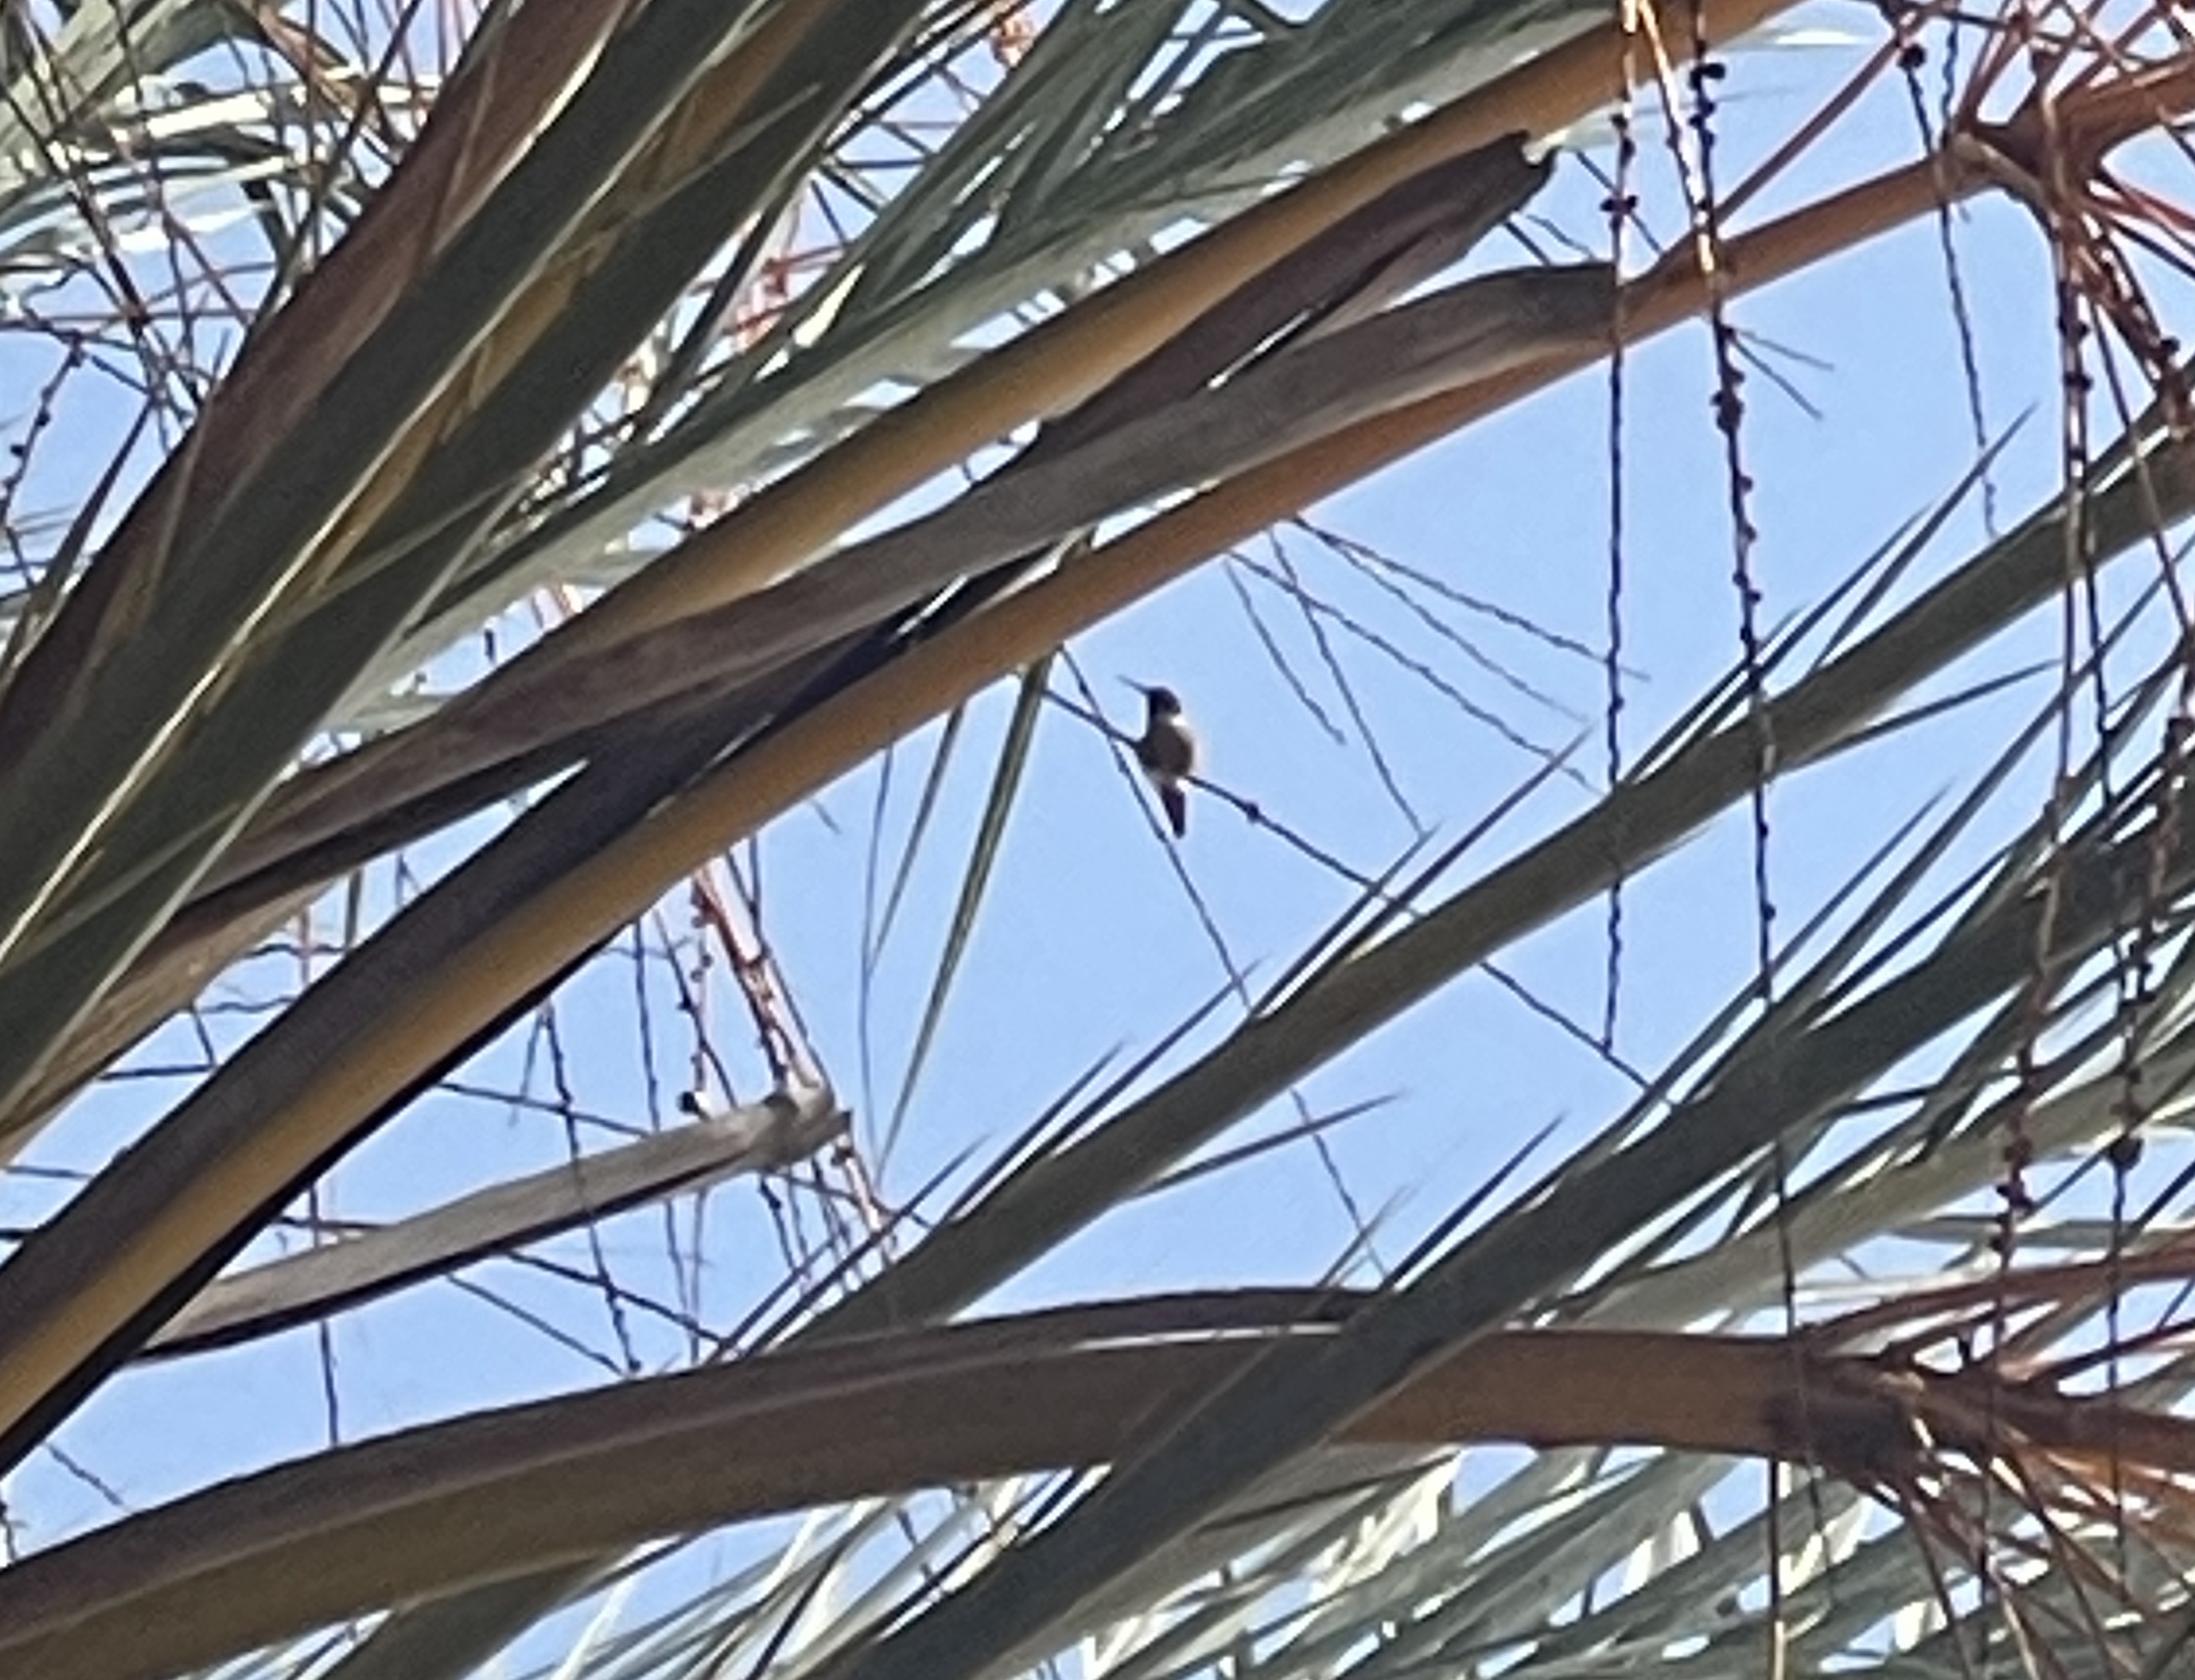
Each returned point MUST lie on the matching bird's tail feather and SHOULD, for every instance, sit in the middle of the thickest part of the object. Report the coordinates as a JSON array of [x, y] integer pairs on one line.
[[1175, 799]]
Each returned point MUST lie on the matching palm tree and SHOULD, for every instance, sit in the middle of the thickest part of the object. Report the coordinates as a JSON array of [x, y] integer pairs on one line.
[[477, 474]]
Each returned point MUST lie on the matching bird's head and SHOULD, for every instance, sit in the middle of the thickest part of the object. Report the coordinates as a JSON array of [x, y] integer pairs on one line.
[[1163, 702]]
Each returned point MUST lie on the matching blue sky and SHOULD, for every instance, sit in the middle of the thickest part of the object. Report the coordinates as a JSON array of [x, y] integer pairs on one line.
[[1090, 946]]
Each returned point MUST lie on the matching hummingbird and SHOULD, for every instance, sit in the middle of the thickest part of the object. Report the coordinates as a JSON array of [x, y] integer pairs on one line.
[[1167, 751]]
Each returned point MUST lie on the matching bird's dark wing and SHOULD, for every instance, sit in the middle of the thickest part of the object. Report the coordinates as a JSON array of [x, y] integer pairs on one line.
[[1167, 750]]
